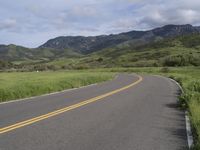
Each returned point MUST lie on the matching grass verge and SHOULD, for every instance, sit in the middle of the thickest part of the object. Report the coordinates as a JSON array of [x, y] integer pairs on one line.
[[18, 85], [189, 79]]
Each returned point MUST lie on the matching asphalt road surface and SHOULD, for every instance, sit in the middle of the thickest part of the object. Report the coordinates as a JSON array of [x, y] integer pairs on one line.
[[128, 113]]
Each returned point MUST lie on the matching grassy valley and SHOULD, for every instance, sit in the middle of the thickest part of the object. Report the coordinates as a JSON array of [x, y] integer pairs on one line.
[[170, 45]]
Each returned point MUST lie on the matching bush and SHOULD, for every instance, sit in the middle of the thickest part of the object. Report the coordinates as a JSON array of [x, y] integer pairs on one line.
[[165, 70], [181, 60], [81, 67]]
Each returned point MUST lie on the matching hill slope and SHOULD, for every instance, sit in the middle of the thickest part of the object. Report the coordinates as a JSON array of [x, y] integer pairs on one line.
[[14, 53], [178, 51]]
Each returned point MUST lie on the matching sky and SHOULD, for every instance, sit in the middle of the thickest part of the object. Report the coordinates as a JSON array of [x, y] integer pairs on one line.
[[30, 23]]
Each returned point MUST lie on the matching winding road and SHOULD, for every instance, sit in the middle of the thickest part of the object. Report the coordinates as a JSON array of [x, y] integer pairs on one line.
[[130, 112]]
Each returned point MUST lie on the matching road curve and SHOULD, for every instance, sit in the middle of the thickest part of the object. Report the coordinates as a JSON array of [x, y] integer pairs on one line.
[[128, 113]]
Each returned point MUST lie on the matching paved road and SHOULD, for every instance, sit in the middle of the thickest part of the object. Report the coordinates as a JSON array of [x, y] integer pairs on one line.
[[143, 116]]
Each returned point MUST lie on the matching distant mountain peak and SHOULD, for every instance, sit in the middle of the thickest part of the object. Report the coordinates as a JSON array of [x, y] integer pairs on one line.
[[173, 25]]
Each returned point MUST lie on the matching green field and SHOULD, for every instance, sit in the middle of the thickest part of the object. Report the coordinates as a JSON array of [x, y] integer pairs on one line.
[[26, 84]]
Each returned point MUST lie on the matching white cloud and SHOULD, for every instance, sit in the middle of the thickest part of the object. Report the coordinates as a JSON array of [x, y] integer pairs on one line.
[[7, 24]]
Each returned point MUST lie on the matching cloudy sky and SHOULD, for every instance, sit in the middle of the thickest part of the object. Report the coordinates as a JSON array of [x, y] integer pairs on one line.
[[32, 22]]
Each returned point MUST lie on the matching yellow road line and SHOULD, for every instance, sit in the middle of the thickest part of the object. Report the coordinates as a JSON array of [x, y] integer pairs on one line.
[[57, 112]]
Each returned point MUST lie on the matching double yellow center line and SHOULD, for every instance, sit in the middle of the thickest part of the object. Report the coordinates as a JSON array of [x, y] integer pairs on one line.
[[65, 109]]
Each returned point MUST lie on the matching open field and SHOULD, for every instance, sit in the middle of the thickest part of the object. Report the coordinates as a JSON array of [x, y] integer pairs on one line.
[[17, 85]]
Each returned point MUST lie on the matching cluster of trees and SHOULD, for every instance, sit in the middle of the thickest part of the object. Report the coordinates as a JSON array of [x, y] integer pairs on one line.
[[5, 65], [37, 67]]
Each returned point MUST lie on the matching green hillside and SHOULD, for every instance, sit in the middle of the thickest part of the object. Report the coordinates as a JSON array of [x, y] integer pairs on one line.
[[14, 53], [179, 51]]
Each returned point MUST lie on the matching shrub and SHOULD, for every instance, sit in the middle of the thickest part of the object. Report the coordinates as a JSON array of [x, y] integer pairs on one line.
[[100, 59], [173, 61], [194, 86]]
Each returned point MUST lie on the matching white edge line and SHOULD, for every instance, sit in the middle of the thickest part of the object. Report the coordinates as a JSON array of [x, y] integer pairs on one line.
[[53, 93], [189, 130], [190, 139]]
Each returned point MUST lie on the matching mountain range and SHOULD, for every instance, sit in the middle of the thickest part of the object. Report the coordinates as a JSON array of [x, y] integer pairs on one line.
[[85, 49], [86, 45]]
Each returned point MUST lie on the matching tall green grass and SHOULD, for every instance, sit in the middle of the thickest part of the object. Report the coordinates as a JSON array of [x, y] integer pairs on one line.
[[17, 85], [190, 99]]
